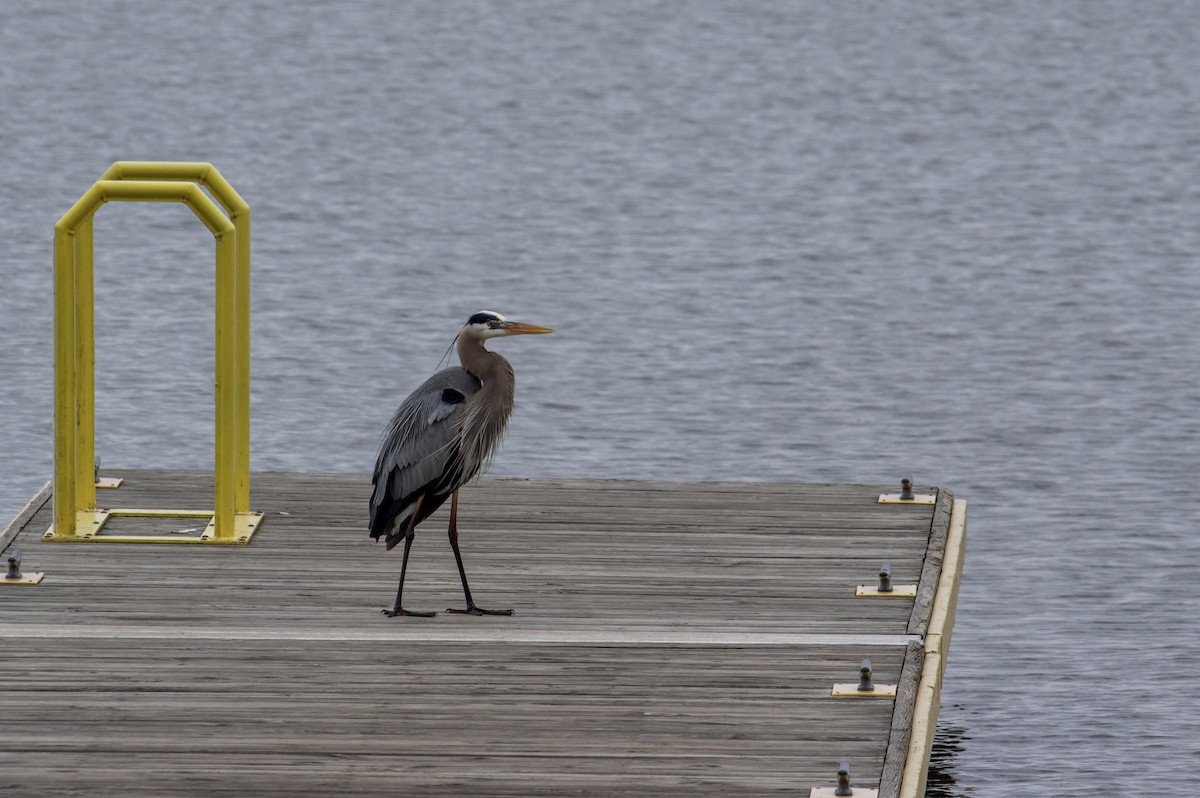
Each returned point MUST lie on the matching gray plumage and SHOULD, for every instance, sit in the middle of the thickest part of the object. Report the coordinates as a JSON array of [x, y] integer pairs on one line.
[[421, 453], [444, 434]]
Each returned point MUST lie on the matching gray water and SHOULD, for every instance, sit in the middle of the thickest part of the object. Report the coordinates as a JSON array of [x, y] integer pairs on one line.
[[780, 241]]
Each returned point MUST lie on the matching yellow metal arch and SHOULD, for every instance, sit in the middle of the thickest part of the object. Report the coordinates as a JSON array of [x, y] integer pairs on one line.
[[238, 211], [76, 516]]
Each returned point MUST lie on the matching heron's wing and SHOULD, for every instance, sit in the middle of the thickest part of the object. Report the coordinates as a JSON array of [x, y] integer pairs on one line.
[[416, 456]]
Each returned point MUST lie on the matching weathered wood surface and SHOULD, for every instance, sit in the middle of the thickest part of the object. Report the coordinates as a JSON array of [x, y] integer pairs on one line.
[[668, 640]]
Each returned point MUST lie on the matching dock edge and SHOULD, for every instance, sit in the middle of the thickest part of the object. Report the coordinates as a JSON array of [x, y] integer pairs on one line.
[[25, 515], [936, 649]]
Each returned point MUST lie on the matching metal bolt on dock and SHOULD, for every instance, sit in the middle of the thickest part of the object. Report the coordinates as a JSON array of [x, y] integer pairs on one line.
[[906, 495], [14, 565], [14, 575], [843, 778], [885, 586], [885, 577], [864, 677], [864, 687], [843, 787]]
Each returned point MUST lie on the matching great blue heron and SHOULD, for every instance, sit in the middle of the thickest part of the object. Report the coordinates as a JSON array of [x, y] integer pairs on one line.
[[440, 437]]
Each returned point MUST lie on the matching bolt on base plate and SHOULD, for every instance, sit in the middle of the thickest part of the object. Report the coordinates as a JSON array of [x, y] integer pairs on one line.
[[897, 591], [26, 578], [850, 690], [918, 498]]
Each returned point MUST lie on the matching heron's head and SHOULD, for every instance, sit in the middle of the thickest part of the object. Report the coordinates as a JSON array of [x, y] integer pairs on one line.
[[489, 324]]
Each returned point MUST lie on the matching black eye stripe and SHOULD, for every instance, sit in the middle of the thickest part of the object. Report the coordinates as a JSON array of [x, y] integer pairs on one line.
[[482, 318]]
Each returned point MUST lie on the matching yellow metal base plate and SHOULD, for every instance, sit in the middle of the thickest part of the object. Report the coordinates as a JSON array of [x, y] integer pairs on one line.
[[851, 691], [918, 498], [109, 482], [26, 578], [89, 527], [898, 591], [831, 792]]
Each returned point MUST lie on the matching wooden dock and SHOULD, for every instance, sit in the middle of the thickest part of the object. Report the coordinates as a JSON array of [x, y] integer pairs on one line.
[[669, 640]]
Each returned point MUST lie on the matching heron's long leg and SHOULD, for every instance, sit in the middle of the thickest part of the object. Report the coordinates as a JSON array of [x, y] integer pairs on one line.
[[452, 532], [408, 539]]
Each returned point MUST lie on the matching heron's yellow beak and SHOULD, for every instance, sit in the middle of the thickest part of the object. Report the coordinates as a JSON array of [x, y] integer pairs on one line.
[[521, 328]]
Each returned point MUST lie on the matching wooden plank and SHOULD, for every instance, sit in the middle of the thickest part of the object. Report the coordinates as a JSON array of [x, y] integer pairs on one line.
[[669, 639], [653, 714], [902, 722], [932, 568]]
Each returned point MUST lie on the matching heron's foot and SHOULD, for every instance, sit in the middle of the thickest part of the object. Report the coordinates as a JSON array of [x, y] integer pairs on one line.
[[473, 610], [395, 611]]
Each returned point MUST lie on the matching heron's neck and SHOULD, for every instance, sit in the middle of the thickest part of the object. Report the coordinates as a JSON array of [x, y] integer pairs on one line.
[[493, 371]]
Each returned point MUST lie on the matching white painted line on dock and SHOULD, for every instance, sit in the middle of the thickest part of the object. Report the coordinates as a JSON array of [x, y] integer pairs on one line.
[[12, 633]]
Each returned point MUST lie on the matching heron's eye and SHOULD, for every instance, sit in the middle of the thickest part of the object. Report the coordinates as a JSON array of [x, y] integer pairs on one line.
[[493, 323]]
